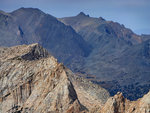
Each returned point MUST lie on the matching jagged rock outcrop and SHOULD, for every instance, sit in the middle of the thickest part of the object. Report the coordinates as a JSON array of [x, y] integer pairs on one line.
[[116, 104], [119, 104], [32, 81]]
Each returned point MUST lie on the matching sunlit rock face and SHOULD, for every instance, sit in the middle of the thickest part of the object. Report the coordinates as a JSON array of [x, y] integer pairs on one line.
[[119, 104], [31, 80]]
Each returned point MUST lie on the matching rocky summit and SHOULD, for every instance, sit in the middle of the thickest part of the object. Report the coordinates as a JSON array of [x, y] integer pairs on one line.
[[32, 81]]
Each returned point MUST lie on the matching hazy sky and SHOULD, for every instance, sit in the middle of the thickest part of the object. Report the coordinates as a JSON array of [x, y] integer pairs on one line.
[[134, 14]]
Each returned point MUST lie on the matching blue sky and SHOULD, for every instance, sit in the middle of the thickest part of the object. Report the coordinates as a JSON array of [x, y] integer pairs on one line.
[[134, 14]]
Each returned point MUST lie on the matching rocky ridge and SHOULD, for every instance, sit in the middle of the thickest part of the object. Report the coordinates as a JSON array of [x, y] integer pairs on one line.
[[31, 80], [119, 104]]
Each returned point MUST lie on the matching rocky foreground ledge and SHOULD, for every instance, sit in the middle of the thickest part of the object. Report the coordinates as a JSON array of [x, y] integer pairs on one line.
[[32, 81]]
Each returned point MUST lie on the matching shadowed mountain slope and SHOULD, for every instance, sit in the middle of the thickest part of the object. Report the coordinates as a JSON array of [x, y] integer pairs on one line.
[[94, 30], [119, 58]]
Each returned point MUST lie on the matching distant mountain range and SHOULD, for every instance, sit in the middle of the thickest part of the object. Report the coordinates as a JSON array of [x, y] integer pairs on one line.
[[103, 51], [120, 59]]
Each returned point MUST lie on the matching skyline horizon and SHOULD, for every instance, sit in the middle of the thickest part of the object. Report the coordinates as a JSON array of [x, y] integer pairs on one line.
[[132, 14], [76, 15]]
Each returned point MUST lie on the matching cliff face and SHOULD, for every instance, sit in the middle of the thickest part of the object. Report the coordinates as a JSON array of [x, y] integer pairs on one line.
[[31, 80]]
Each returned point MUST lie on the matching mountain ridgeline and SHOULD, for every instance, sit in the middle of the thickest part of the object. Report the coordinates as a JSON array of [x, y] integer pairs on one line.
[[28, 25], [104, 51], [120, 59]]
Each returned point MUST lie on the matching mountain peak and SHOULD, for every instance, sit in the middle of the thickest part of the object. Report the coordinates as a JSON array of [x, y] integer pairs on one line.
[[82, 14], [31, 10], [100, 18], [23, 8]]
